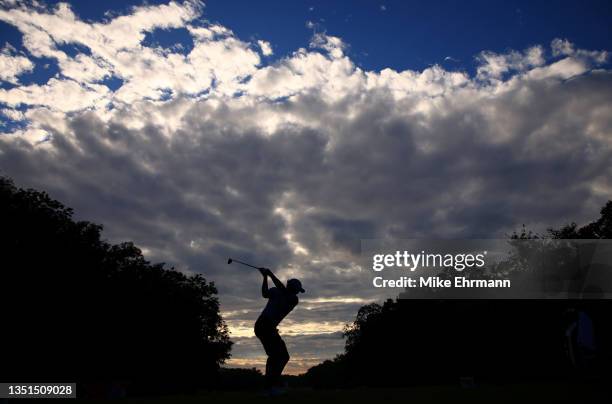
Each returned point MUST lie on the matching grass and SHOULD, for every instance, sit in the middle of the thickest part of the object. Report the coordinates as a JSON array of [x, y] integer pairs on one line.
[[524, 393]]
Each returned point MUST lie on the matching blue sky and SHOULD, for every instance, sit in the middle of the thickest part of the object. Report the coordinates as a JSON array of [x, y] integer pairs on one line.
[[414, 35], [434, 119], [380, 34]]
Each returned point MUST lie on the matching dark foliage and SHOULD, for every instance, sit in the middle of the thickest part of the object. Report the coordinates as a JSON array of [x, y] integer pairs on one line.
[[240, 379], [80, 309], [601, 228], [407, 342]]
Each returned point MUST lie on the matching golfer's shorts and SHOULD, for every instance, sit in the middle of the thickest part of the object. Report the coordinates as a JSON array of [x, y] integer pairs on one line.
[[270, 339]]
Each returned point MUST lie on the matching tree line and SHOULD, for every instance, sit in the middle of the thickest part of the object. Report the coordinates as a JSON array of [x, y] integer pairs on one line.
[[403, 342], [78, 308]]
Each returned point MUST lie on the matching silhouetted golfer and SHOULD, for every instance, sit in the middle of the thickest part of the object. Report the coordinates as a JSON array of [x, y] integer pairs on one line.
[[281, 300]]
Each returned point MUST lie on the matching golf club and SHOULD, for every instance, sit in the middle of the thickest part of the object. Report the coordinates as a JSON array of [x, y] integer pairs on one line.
[[230, 260]]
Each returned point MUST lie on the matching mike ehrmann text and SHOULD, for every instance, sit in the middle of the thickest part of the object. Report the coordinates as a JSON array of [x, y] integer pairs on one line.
[[437, 282]]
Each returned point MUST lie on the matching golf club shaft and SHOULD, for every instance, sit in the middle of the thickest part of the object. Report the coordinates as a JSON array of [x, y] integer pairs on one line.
[[244, 263]]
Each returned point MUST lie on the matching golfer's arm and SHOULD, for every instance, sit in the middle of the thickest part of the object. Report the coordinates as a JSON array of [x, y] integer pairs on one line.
[[276, 281], [264, 287]]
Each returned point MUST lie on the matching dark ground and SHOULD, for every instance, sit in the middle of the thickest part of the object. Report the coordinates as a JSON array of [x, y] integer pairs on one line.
[[522, 393]]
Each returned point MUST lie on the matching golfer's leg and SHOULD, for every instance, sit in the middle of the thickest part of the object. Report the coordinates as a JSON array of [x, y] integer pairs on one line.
[[271, 363], [283, 356], [278, 358], [266, 336], [270, 377]]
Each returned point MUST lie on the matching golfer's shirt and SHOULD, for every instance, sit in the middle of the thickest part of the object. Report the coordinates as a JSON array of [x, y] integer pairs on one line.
[[280, 303]]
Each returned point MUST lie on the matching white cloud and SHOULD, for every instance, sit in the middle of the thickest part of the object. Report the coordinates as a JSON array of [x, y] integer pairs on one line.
[[201, 33], [84, 69], [333, 75], [31, 135], [563, 69], [116, 50], [266, 48], [13, 114], [11, 65], [59, 95], [430, 82], [333, 45], [494, 65], [563, 47]]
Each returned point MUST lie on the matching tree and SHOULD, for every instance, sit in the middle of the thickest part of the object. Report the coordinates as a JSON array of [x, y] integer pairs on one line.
[[78, 308], [599, 229], [433, 341]]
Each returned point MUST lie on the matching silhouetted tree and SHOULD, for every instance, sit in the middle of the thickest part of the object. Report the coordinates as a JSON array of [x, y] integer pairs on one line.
[[240, 379], [601, 228], [78, 308], [405, 341]]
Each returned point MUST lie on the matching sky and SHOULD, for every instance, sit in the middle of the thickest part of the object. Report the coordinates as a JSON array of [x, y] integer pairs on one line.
[[282, 133]]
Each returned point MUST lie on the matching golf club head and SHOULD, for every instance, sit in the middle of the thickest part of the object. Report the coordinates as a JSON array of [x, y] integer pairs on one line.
[[229, 260]]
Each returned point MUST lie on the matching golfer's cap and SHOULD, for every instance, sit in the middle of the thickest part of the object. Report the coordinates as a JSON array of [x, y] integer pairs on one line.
[[296, 284]]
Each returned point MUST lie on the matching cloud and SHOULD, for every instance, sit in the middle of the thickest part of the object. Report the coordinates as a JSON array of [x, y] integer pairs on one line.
[[563, 47], [494, 65], [13, 114], [11, 65], [266, 48], [60, 95], [208, 153], [114, 48]]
